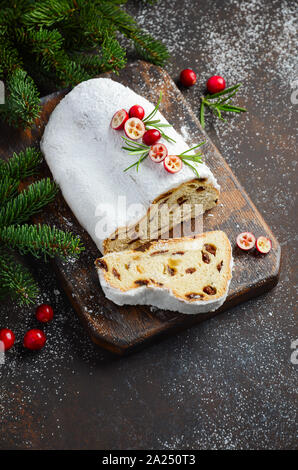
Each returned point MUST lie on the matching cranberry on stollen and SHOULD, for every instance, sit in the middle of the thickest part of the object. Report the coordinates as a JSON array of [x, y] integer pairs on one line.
[[119, 119], [158, 152], [172, 163], [137, 111], [134, 128], [151, 137]]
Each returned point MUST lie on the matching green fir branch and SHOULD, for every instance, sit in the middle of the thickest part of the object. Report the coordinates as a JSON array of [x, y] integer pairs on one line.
[[8, 189], [116, 16], [50, 12], [22, 105], [16, 280], [41, 240], [37, 240], [21, 165], [149, 48], [28, 203], [41, 42]]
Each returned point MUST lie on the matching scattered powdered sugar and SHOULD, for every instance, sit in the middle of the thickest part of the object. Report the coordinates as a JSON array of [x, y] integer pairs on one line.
[[238, 46], [256, 44], [227, 383], [185, 133], [40, 376]]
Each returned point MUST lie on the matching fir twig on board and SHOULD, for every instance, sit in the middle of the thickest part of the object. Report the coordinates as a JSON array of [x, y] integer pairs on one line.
[[16, 280]]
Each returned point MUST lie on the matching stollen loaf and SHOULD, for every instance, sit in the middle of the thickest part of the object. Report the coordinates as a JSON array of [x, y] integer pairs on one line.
[[86, 159]]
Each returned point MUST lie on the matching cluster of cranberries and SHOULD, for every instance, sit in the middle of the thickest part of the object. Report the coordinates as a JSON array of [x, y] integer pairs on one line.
[[214, 84], [159, 153], [34, 339], [246, 241], [134, 127]]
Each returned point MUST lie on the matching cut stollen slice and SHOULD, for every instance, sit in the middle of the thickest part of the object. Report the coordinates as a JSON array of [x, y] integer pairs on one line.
[[187, 275]]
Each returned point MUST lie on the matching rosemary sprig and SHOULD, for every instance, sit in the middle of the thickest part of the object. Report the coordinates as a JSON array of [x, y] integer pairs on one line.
[[152, 114], [197, 158], [143, 156], [142, 151], [135, 148], [155, 123], [221, 104]]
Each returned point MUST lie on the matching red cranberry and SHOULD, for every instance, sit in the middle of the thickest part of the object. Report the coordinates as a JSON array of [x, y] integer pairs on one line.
[[7, 337], [188, 77], [151, 137], [34, 339], [216, 84], [44, 313], [137, 111]]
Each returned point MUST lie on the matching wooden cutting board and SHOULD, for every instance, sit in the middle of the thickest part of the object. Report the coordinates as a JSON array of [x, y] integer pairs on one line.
[[122, 329]]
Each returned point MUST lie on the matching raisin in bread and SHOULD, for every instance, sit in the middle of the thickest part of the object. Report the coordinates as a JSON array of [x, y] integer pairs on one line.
[[188, 275], [86, 159]]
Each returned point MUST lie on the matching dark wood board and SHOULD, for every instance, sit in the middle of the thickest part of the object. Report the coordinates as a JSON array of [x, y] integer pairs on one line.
[[123, 329]]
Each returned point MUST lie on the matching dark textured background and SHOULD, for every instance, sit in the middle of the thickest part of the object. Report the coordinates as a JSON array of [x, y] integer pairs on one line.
[[228, 383]]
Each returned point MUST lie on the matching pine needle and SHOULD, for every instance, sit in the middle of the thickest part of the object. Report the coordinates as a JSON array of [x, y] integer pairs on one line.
[[16, 280], [21, 165]]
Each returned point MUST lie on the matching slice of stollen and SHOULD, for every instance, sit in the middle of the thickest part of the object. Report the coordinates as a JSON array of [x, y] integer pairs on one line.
[[188, 275]]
